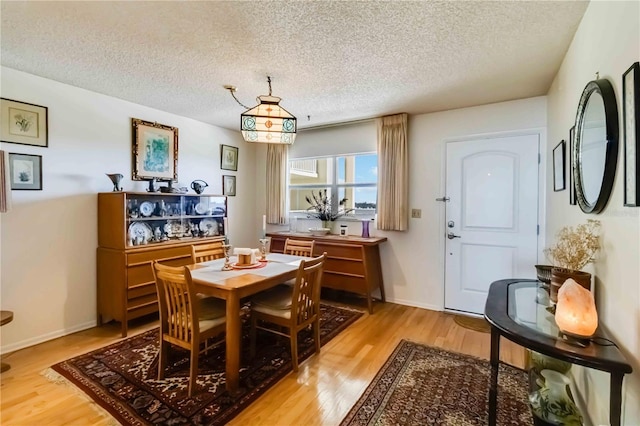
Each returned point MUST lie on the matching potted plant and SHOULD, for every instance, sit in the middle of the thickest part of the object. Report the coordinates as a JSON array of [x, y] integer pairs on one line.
[[321, 208], [574, 248]]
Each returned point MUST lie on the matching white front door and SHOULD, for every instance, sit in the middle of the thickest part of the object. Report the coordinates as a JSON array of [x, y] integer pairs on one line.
[[492, 216]]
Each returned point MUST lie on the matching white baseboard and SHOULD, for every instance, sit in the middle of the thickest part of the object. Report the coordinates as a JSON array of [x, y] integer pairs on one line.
[[46, 337], [414, 304]]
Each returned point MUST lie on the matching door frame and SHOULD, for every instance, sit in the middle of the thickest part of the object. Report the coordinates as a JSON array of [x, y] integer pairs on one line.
[[541, 133]]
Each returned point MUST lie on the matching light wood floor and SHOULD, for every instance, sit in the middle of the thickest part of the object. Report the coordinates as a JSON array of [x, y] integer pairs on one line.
[[322, 393]]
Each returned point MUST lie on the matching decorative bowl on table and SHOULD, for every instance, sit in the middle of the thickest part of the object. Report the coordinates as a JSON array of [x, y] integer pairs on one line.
[[319, 232]]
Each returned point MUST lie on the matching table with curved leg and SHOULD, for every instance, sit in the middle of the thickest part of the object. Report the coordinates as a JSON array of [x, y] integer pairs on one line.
[[516, 310]]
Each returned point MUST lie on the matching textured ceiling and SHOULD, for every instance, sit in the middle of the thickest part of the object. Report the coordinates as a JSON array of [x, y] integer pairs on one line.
[[332, 61]]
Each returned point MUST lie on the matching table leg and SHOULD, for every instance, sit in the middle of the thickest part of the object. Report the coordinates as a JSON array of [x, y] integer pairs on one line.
[[493, 384], [615, 399], [234, 330]]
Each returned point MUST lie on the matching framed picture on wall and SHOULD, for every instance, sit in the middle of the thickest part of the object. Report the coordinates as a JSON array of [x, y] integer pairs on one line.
[[155, 151], [228, 185], [572, 186], [229, 158], [631, 123], [25, 172], [23, 123], [558, 167]]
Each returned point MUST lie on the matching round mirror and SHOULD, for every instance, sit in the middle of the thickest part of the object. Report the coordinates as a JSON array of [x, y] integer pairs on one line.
[[595, 146]]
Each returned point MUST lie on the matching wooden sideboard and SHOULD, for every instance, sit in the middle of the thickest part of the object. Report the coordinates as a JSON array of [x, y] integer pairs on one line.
[[353, 263]]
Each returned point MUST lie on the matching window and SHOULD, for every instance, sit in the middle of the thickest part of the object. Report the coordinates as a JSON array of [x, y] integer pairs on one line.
[[353, 177]]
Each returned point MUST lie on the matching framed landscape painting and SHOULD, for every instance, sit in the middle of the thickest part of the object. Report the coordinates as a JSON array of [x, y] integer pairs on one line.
[[155, 151], [23, 123]]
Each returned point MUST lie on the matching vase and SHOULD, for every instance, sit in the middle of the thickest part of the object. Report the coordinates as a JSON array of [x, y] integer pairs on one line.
[[327, 224], [560, 275], [540, 362], [552, 403], [365, 229]]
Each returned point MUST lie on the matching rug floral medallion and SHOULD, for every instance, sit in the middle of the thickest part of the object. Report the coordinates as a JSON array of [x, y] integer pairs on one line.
[[122, 377], [422, 385]]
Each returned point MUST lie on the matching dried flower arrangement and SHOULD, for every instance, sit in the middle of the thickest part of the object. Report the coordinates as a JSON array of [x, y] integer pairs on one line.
[[575, 248], [321, 207]]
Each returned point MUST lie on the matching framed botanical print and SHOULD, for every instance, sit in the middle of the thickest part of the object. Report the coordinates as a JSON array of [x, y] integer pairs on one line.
[[25, 171], [155, 151], [228, 185], [558, 167], [23, 123], [229, 158], [631, 124]]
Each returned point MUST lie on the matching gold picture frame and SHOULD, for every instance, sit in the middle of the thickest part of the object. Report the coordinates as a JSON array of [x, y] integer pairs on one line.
[[23, 123], [155, 151]]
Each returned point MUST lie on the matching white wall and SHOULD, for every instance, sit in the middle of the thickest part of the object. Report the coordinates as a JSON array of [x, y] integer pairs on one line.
[[413, 261], [49, 238], [607, 41]]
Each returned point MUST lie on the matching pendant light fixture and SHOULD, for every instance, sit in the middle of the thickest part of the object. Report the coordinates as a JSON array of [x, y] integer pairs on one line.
[[267, 122]]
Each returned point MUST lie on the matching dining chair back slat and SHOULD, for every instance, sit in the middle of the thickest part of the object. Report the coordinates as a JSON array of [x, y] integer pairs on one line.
[[205, 252], [298, 247]]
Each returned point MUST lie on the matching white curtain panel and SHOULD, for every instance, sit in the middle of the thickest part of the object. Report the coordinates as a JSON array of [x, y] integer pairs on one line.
[[277, 158], [393, 173]]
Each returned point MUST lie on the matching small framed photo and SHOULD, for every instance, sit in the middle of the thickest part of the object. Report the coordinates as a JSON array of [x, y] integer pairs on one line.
[[572, 162], [25, 171], [228, 185], [558, 167], [155, 151], [631, 123], [23, 123], [229, 158]]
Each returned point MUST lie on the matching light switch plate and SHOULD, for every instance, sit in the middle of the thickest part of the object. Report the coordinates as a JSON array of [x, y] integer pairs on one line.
[[416, 213]]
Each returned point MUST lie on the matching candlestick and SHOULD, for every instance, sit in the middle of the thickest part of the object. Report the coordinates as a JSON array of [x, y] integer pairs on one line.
[[227, 263], [263, 248], [264, 226]]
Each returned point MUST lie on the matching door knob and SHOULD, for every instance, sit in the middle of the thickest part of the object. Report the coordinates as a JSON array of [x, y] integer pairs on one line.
[[451, 236]]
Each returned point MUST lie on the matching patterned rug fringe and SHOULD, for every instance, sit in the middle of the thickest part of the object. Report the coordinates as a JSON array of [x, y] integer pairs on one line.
[[59, 379]]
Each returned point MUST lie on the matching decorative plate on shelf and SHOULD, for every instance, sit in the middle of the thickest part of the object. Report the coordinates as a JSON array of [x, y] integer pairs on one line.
[[201, 208], [147, 208], [209, 227], [140, 233]]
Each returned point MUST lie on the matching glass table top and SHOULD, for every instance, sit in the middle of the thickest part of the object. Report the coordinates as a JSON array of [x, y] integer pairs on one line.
[[528, 306]]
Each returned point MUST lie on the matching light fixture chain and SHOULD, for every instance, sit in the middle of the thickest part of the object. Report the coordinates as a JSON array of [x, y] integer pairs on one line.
[[234, 97], [269, 81]]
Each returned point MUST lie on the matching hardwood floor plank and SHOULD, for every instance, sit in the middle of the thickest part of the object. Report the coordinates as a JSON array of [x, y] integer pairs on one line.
[[322, 393]]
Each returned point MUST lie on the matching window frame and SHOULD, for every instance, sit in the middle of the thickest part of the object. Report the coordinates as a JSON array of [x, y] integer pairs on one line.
[[333, 187]]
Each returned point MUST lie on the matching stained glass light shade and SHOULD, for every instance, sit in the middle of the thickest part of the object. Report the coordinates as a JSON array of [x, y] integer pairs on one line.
[[268, 122]]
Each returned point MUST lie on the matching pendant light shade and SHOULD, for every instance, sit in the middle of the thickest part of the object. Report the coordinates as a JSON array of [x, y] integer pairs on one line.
[[267, 122]]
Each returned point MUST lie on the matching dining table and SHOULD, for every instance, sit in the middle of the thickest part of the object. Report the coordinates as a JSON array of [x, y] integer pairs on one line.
[[232, 286]]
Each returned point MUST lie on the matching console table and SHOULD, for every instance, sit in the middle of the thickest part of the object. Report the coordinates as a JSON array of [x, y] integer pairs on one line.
[[352, 264], [514, 311]]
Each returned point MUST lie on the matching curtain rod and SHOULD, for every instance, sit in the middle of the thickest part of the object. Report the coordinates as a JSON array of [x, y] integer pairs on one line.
[[344, 123]]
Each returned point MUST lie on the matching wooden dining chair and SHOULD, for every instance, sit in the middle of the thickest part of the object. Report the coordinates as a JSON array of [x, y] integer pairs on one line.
[[205, 252], [292, 309], [298, 247], [185, 320]]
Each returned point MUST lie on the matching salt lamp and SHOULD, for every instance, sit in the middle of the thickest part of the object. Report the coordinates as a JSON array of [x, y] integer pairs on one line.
[[576, 310]]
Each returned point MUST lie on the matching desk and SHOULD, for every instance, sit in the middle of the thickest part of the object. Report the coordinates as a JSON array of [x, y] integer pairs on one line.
[[514, 312], [234, 285]]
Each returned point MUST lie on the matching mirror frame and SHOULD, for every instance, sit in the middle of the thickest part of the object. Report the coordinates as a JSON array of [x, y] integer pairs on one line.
[[605, 89]]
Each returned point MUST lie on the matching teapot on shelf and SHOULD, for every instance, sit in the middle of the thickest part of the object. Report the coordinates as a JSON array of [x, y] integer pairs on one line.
[[199, 186]]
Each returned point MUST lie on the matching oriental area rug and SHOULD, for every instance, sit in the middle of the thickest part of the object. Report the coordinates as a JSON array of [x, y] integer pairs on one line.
[[122, 377], [422, 385]]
